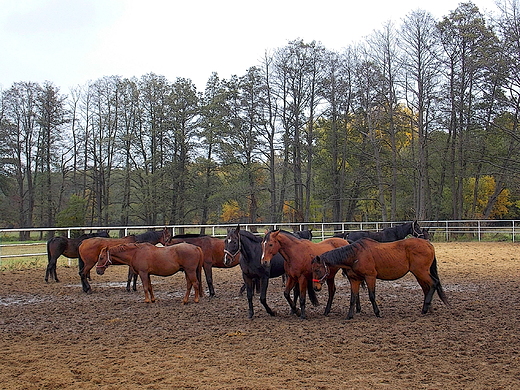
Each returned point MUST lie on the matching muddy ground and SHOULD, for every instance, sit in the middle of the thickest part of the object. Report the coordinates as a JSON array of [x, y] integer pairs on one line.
[[53, 336]]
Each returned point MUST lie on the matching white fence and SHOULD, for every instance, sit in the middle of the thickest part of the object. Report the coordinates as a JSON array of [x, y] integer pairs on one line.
[[459, 230]]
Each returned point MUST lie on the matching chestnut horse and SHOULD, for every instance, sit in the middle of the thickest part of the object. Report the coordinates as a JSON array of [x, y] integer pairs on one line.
[[147, 259], [153, 237], [298, 255], [213, 249], [367, 260], [68, 247], [89, 252]]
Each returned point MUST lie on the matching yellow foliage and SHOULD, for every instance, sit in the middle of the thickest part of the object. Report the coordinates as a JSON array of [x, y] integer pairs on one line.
[[231, 211], [486, 188]]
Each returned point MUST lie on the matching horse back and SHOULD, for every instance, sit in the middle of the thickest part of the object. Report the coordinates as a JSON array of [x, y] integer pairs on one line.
[[392, 260], [336, 242], [90, 248]]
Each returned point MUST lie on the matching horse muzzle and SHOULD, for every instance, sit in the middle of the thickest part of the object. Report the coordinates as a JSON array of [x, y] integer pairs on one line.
[[100, 270]]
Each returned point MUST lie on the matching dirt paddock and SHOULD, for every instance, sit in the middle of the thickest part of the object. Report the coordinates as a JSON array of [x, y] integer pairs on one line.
[[53, 336]]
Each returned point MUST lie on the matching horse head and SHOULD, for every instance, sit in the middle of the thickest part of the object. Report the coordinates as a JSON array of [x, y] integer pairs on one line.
[[232, 246], [103, 261], [320, 272], [270, 247], [165, 236], [416, 230]]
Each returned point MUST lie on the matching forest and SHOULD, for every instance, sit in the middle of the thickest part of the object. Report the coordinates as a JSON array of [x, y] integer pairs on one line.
[[418, 121]]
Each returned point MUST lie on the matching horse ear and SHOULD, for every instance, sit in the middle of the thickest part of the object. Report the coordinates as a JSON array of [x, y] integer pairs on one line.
[[275, 233], [237, 229]]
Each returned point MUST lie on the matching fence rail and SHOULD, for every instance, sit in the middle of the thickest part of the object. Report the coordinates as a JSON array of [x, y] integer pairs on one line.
[[454, 230]]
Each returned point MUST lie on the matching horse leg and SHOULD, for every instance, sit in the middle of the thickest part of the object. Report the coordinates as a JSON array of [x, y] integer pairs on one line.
[[147, 287], [287, 294], [354, 297], [191, 280], [428, 287], [188, 290], [134, 283], [264, 283], [250, 288], [129, 279], [209, 277], [51, 270], [371, 285], [303, 289], [83, 272], [331, 286]]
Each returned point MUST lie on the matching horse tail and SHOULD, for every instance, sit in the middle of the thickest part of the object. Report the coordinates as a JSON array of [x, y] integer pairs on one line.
[[199, 271], [312, 293], [435, 274], [49, 251]]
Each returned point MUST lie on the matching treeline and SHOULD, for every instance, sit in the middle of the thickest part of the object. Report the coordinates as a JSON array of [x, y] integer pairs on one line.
[[419, 121]]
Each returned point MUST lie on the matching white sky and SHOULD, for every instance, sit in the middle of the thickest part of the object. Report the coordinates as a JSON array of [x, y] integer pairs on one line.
[[70, 42]]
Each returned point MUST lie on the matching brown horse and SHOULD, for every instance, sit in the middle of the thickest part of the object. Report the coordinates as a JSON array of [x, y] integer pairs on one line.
[[68, 247], [89, 252], [367, 260], [298, 255], [153, 237], [147, 259], [213, 249]]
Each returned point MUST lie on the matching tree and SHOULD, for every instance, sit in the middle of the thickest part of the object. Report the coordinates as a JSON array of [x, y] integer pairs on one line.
[[51, 116], [467, 43], [19, 111], [420, 46]]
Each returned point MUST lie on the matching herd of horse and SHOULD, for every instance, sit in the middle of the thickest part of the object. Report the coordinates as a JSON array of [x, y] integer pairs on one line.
[[363, 256]]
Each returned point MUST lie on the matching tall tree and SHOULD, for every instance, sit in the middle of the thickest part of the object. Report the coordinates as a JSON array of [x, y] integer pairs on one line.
[[420, 45], [50, 118], [466, 40], [183, 106], [20, 107]]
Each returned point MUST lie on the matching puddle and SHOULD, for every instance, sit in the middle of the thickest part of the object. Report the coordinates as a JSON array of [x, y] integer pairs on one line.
[[23, 300]]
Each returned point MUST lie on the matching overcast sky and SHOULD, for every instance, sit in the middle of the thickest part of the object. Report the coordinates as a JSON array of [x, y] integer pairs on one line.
[[70, 42]]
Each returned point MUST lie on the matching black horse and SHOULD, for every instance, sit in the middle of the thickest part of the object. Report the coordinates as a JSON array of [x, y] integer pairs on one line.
[[304, 234], [249, 246], [68, 247], [389, 234]]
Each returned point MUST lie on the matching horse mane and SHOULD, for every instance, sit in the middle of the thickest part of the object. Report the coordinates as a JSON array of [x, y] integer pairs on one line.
[[289, 234], [189, 235], [251, 236], [337, 256], [124, 247], [118, 248]]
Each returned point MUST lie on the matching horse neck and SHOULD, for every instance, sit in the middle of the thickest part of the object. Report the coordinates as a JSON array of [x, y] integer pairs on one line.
[[342, 256], [289, 246], [251, 250], [125, 255]]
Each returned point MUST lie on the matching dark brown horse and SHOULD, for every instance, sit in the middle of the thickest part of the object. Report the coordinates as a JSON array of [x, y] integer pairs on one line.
[[246, 246], [89, 251], [147, 259], [298, 255], [389, 234], [68, 247], [213, 249], [367, 260]]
